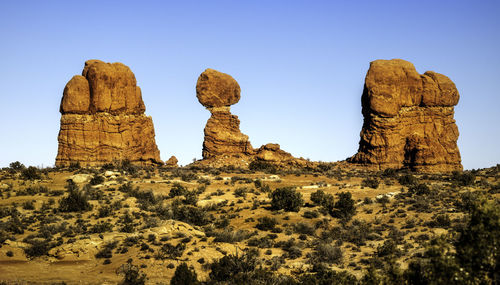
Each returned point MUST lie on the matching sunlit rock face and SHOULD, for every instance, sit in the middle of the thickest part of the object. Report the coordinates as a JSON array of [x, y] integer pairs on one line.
[[408, 119], [103, 118]]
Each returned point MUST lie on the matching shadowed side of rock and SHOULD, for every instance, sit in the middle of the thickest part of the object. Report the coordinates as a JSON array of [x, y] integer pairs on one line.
[[103, 118], [408, 119]]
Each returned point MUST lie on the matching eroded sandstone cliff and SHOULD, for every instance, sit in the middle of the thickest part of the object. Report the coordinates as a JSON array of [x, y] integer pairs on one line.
[[103, 118], [408, 119]]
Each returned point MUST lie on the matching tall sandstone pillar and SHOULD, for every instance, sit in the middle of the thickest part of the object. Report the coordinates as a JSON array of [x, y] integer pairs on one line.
[[103, 118], [408, 119]]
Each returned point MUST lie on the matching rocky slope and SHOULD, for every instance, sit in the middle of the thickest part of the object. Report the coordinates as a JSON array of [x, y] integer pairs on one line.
[[103, 118], [408, 119]]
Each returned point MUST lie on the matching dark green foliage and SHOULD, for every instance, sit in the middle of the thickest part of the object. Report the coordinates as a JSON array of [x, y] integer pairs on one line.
[[132, 275], [328, 253], [344, 208], [184, 275], [17, 166], [259, 165], [31, 173], [190, 214], [463, 178], [177, 190], [75, 201], [38, 247], [127, 223], [169, 251], [317, 197], [322, 275], [266, 223], [97, 179], [232, 267], [370, 182], [407, 180], [419, 189], [286, 198], [107, 250], [479, 242]]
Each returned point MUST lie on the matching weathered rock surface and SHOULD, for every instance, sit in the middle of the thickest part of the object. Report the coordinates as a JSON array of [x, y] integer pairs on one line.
[[224, 143], [103, 118], [172, 162], [408, 119]]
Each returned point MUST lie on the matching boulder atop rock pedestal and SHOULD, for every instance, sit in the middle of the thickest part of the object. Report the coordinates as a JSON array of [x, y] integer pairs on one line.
[[103, 118], [224, 144], [408, 119], [217, 89]]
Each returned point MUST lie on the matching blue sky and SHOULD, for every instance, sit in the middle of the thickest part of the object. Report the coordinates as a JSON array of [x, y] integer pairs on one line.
[[300, 65]]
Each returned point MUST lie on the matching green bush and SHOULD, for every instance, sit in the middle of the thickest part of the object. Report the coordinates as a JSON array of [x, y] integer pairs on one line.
[[344, 208], [229, 267], [75, 201], [266, 223], [286, 198], [184, 275], [407, 180], [31, 173], [259, 165], [370, 182]]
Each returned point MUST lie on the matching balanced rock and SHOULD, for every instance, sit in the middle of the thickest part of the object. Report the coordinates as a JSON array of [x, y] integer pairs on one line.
[[217, 91], [224, 144], [103, 118], [408, 119]]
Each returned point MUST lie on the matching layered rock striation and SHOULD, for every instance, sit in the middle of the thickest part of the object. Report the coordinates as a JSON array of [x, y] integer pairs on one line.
[[408, 119], [103, 118]]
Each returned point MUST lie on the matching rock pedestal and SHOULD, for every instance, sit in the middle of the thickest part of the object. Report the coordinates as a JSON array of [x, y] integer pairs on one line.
[[408, 119], [103, 118]]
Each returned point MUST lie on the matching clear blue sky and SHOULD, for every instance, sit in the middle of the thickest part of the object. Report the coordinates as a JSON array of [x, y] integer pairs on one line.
[[300, 65]]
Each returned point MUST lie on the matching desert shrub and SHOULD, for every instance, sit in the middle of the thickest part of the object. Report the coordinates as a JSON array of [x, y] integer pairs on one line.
[[259, 165], [75, 201], [107, 250], [407, 180], [439, 221], [190, 214], [38, 247], [97, 179], [241, 192], [311, 214], [184, 275], [286, 198], [463, 178], [291, 248], [230, 236], [29, 205], [31, 173], [370, 182], [17, 166], [169, 251], [304, 228], [344, 208], [266, 223], [127, 222], [177, 190], [233, 267], [101, 228], [384, 200], [132, 274], [126, 166], [328, 253], [419, 189], [317, 197], [322, 275]]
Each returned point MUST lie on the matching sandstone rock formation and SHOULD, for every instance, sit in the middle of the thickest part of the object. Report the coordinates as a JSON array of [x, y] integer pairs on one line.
[[408, 119], [224, 143], [172, 162], [103, 118], [217, 91]]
